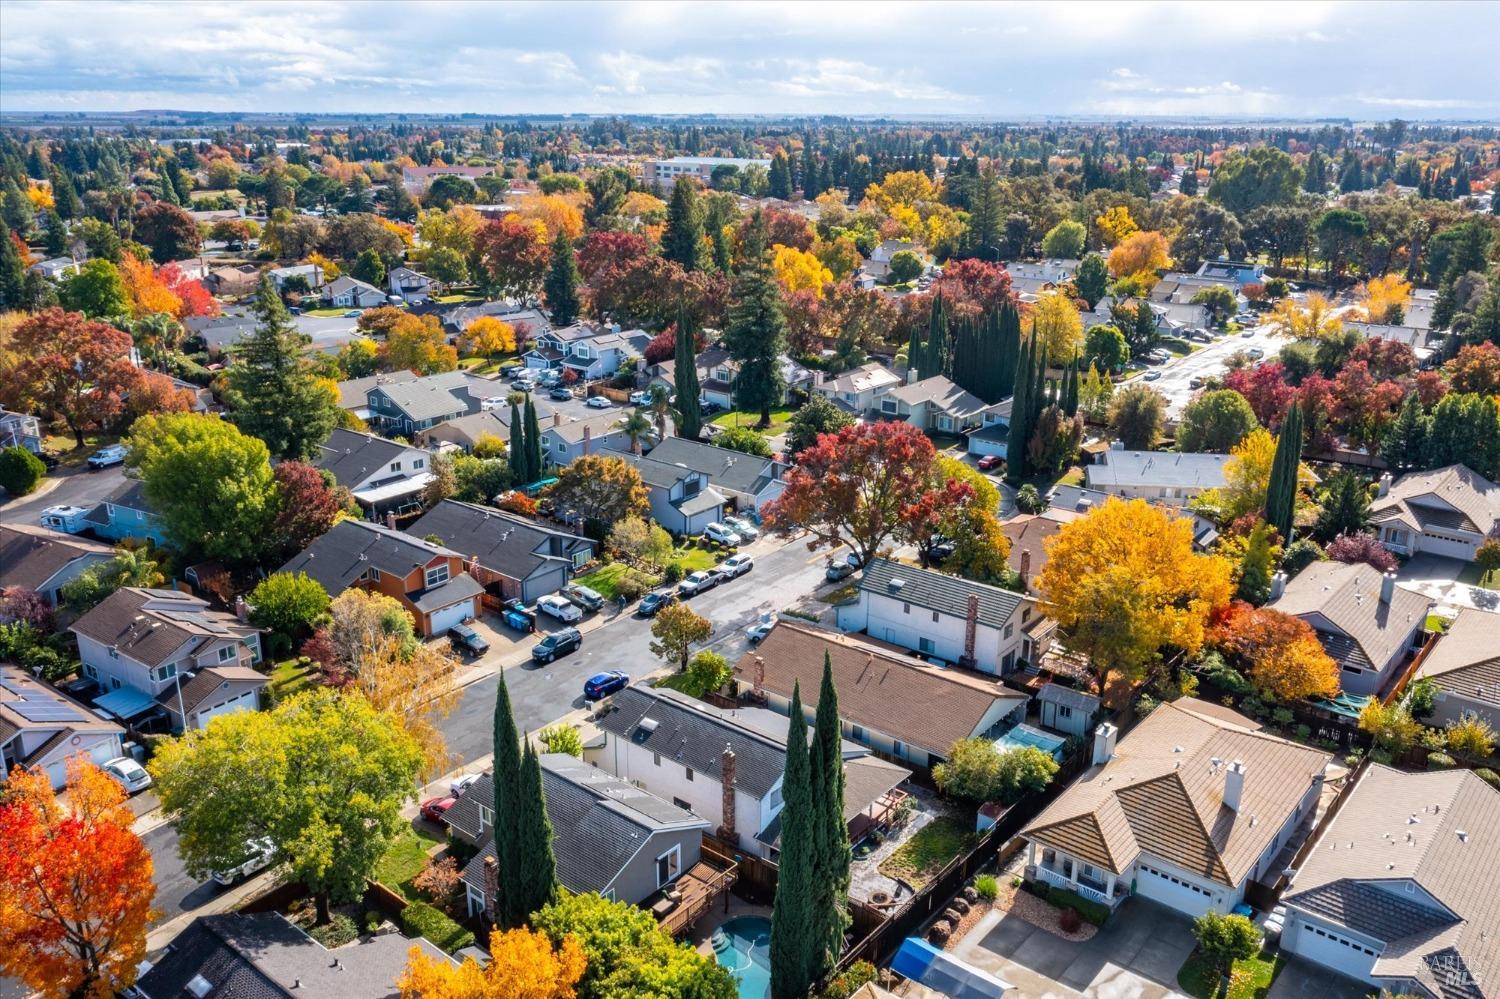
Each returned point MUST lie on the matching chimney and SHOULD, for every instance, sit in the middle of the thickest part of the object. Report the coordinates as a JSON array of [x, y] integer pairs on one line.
[[1234, 785], [913, 376], [473, 566], [491, 887], [971, 629], [390, 519], [726, 783], [1113, 446], [1387, 587], [588, 440], [1104, 742], [760, 676], [1025, 568], [557, 419], [241, 610], [1385, 484], [1278, 586]]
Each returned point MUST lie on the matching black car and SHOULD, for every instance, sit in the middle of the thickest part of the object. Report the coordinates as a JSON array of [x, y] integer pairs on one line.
[[467, 641], [559, 643], [653, 602]]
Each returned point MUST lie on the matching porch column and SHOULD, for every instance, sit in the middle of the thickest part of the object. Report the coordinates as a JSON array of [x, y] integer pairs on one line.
[[1109, 885], [1073, 872], [1031, 854]]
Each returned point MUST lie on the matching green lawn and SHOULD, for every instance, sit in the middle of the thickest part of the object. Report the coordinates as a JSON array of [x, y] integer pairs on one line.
[[606, 579], [1472, 575], [683, 683], [1436, 623], [920, 858], [404, 860], [693, 559], [289, 678], [1250, 979], [324, 313], [453, 299], [69, 454], [780, 418]]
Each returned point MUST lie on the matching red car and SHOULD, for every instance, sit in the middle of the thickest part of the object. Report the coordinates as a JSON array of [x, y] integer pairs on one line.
[[989, 462], [434, 809]]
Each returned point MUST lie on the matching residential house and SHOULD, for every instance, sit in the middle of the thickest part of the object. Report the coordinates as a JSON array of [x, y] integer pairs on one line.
[[664, 173], [410, 285], [609, 836], [311, 273], [1447, 511], [203, 398], [464, 432], [1188, 809], [266, 956], [933, 404], [1179, 289], [41, 728], [897, 706], [569, 438], [382, 474], [1070, 502], [1402, 890], [354, 393], [859, 390], [745, 480], [1066, 710], [20, 430], [1030, 281], [717, 372], [1171, 477], [685, 750], [153, 649], [992, 436], [54, 268], [220, 333], [509, 555], [1414, 337], [232, 282], [345, 292], [1421, 307], [1028, 534], [1367, 623], [932, 613], [427, 579], [1233, 273], [35, 558], [526, 322], [586, 350], [419, 178], [682, 499], [1464, 665], [409, 407], [124, 513]]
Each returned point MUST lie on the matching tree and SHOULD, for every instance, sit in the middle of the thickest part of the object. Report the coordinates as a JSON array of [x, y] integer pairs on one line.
[[682, 242], [756, 333], [674, 630], [1215, 421], [1247, 476], [1226, 939], [1065, 240], [418, 343], [289, 603], [1256, 564], [1476, 369], [1465, 429], [129, 567], [448, 190], [1470, 737], [447, 266], [211, 484], [268, 773], [1361, 548], [12, 272], [852, 486], [364, 619], [512, 254], [801, 270], [1136, 416], [829, 883], [20, 471], [1092, 279], [794, 928], [1384, 299], [1391, 726], [1404, 446], [535, 464], [817, 416], [640, 541], [487, 337], [1265, 388], [71, 369], [685, 371], [369, 268], [1282, 651], [522, 835], [169, 231], [1104, 347], [1487, 555], [1124, 582], [77, 884], [1254, 179], [561, 285], [1143, 253], [523, 964], [1339, 232], [905, 266], [600, 488], [709, 671], [1281, 487], [1219, 301], [1056, 323], [278, 398], [979, 772], [1345, 506]]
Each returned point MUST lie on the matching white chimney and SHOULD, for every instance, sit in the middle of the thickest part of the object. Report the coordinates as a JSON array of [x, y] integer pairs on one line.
[[1385, 484], [390, 519], [1278, 586], [1234, 785], [1387, 587], [912, 376], [1104, 742]]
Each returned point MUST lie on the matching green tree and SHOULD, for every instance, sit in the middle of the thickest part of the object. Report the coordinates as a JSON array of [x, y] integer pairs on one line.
[[95, 289], [447, 266], [756, 332], [816, 416], [288, 603], [1253, 179], [780, 177], [20, 471], [794, 926], [277, 396], [682, 242], [523, 837], [1345, 506], [535, 465], [1225, 939], [1136, 416], [211, 484], [744, 440], [538, 864], [904, 266], [1465, 429], [561, 738], [12, 273], [1092, 279], [830, 875], [129, 567], [369, 267], [685, 376], [1339, 232], [518, 451], [272, 774], [1404, 446], [1256, 566], [1281, 490], [1219, 301], [1065, 240], [674, 630], [1215, 421], [708, 670], [560, 287], [1104, 347]]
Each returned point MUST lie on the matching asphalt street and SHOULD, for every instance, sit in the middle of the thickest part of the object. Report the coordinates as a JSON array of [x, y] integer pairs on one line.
[[1176, 376], [78, 487]]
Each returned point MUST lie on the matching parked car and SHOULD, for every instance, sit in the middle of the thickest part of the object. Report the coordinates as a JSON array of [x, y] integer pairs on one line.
[[559, 643], [696, 583], [653, 602], [721, 533], [1247, 333], [736, 566], [583, 596], [435, 810], [551, 378], [559, 607], [1195, 382], [50, 461], [492, 403], [940, 547], [601, 685], [462, 784], [106, 457], [760, 629], [742, 526], [258, 855], [130, 774], [560, 394], [1152, 375], [518, 617], [1255, 353], [598, 402], [640, 398], [467, 641], [351, 314], [511, 369], [839, 571], [990, 462]]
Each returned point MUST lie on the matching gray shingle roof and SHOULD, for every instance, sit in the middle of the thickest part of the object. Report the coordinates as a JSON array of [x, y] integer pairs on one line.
[[741, 473], [353, 547], [433, 396], [940, 592], [151, 625], [354, 392], [1120, 469], [460, 587], [29, 556], [1348, 596], [504, 543], [351, 456], [1369, 910]]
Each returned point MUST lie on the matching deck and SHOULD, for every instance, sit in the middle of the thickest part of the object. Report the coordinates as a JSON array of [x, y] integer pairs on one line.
[[695, 892]]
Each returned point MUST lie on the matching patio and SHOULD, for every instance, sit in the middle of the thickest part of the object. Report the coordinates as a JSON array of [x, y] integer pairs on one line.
[[866, 882], [694, 893]]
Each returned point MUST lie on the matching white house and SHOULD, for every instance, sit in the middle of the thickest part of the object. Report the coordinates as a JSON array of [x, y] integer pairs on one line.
[[1189, 808], [859, 390], [311, 273], [345, 292], [933, 403], [682, 499], [588, 351], [1447, 511], [929, 613], [382, 474], [55, 268], [1171, 477], [20, 430], [409, 284], [41, 728]]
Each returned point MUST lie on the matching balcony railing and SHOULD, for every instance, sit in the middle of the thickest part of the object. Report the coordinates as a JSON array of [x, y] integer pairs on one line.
[[1083, 888]]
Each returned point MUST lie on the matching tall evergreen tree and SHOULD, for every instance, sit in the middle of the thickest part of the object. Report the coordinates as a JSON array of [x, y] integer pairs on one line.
[[519, 465], [830, 877], [913, 348], [561, 283], [1010, 349], [683, 239], [537, 864], [278, 398], [1281, 491], [1019, 434], [793, 927], [685, 375], [934, 360], [755, 335], [12, 272], [1405, 440], [534, 463], [1070, 391], [780, 180], [510, 811]]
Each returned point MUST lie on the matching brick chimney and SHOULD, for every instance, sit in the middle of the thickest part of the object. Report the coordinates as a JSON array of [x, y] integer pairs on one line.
[[390, 519], [726, 784], [971, 631], [588, 440], [760, 676], [491, 887], [1025, 567]]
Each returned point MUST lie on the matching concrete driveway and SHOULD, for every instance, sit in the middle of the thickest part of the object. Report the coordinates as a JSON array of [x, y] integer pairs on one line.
[[1436, 578]]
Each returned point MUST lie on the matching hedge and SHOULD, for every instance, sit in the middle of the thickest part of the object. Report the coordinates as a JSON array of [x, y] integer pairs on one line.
[[422, 920], [1094, 912]]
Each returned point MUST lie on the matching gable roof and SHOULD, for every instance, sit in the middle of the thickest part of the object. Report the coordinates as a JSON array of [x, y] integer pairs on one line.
[[1418, 498], [354, 392], [732, 470], [29, 556], [599, 427], [352, 548], [1162, 794], [868, 376], [1027, 533], [502, 542], [352, 456], [1056, 693], [1121, 469], [470, 428], [940, 592], [150, 625], [344, 283], [431, 396], [1348, 597], [1465, 659], [943, 393], [20, 692], [207, 682]]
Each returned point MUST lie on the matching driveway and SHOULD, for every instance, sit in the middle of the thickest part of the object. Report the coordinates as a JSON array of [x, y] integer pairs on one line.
[[1436, 578]]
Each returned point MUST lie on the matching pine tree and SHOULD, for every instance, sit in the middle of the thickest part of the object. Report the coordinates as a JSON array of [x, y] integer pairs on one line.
[[934, 360], [810, 186], [1406, 439], [793, 927], [1010, 350], [685, 375], [780, 180], [1070, 392], [279, 398], [65, 198], [683, 239], [986, 218], [913, 348], [510, 810], [537, 864], [755, 335], [1020, 417], [561, 283], [1281, 491], [12, 272], [519, 465], [534, 463], [830, 877]]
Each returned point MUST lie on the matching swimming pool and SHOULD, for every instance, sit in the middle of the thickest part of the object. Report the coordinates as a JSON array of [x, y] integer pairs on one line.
[[1025, 735], [743, 945]]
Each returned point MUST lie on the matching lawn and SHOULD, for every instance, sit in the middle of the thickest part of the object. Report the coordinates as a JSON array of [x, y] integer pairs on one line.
[[1177, 346], [919, 859], [780, 418], [684, 683], [1250, 979], [289, 678], [404, 860], [1472, 575], [69, 454], [324, 313], [456, 299], [1436, 624], [606, 579], [693, 559]]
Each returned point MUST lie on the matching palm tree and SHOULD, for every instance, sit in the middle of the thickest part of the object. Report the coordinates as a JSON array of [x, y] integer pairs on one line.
[[637, 428], [135, 567], [660, 407]]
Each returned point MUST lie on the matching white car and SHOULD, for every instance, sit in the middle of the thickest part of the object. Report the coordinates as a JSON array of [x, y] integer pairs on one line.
[[559, 607], [697, 582], [114, 454], [640, 398], [760, 629], [736, 565], [742, 527], [459, 786], [493, 403], [598, 402], [130, 774], [258, 855], [721, 533], [1152, 375]]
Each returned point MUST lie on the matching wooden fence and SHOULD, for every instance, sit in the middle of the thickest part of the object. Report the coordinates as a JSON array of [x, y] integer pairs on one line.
[[756, 880]]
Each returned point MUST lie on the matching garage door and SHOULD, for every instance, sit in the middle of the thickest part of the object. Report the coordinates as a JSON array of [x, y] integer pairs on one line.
[[243, 702], [1447, 547], [1332, 950], [446, 618], [1172, 891]]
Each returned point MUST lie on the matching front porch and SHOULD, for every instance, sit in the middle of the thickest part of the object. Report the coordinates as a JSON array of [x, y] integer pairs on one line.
[[1059, 870]]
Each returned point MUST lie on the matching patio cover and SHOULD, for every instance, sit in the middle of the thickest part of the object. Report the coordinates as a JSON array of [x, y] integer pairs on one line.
[[921, 962], [125, 703], [1348, 705]]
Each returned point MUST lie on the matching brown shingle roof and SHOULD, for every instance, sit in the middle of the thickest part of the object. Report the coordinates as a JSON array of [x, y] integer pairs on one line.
[[1420, 495], [1348, 596], [1466, 660], [150, 625], [29, 556]]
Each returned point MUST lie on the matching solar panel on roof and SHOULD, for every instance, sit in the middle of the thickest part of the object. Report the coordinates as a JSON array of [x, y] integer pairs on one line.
[[45, 711], [17, 687]]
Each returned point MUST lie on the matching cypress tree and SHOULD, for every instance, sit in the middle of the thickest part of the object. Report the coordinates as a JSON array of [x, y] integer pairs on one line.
[[1020, 417], [780, 180], [913, 349], [518, 454], [830, 881], [1406, 440], [685, 374], [280, 400], [1070, 389], [12, 272], [537, 864], [793, 930], [510, 809], [561, 284], [755, 335], [1281, 490], [1037, 397], [683, 239], [534, 463], [1010, 349], [935, 360]]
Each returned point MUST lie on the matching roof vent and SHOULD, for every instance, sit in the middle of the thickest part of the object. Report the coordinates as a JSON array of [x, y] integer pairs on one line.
[[649, 724], [363, 557], [1176, 749], [1413, 820], [199, 986], [897, 585], [1463, 837]]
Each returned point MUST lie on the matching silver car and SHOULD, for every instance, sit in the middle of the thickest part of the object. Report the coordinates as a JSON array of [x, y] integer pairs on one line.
[[130, 774]]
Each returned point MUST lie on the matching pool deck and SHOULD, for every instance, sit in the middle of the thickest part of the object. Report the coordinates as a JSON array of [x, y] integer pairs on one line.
[[703, 929]]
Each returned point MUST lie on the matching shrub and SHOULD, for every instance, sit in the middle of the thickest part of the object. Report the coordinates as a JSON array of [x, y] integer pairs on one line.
[[20, 471], [1028, 500], [673, 574], [1069, 920], [1440, 761], [422, 920], [859, 974], [372, 921], [1489, 777], [1225, 939], [987, 887], [630, 586], [562, 739], [1303, 732], [439, 881], [336, 932]]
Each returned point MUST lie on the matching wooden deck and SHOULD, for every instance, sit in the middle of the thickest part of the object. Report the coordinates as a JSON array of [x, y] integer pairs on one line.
[[696, 891]]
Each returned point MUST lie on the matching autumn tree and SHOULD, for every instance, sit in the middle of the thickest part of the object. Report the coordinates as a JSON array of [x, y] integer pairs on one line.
[[1247, 474], [414, 683], [1282, 652], [523, 964], [1058, 326], [487, 336], [513, 254], [418, 343], [1124, 583], [76, 883], [70, 368], [1317, 320], [169, 231], [1140, 254], [600, 488], [278, 398], [1384, 299], [1361, 548], [675, 628]]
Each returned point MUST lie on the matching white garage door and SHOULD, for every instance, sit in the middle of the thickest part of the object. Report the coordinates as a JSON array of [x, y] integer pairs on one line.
[[446, 618], [1333, 951], [242, 702], [1170, 890], [1446, 547]]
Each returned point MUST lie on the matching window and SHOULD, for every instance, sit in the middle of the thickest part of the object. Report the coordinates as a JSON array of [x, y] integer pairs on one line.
[[114, 653], [775, 798], [898, 749], [374, 575], [668, 866], [906, 608], [858, 732], [437, 575], [1009, 630], [486, 817], [1063, 711], [562, 447], [686, 807], [114, 683], [926, 645], [934, 617], [395, 466], [419, 463], [688, 774], [90, 672], [1025, 615], [226, 653]]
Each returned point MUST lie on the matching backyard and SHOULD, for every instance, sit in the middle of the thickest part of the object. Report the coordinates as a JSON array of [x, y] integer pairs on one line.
[[1250, 979], [930, 849], [780, 418], [404, 860], [290, 677]]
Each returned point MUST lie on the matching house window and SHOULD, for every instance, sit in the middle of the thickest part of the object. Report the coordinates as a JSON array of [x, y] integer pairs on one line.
[[926, 645], [114, 683], [438, 575], [906, 608], [114, 653], [419, 463], [682, 804], [486, 817], [934, 617], [374, 575], [562, 447], [858, 732], [226, 653], [776, 799], [945, 423], [395, 466], [90, 672], [1026, 615], [164, 672], [1009, 630], [688, 774], [668, 866], [898, 749]]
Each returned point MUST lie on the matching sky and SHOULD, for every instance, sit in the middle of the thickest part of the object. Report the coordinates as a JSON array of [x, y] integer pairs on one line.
[[1365, 61]]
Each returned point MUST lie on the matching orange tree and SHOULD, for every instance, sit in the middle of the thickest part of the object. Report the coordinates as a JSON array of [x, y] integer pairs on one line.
[[1124, 583], [523, 965], [1282, 652], [75, 885]]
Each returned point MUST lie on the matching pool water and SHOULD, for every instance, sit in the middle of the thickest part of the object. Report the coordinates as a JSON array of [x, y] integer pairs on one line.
[[743, 945], [1025, 735]]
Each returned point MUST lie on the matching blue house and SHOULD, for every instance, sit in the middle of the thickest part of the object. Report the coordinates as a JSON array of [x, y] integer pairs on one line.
[[124, 513]]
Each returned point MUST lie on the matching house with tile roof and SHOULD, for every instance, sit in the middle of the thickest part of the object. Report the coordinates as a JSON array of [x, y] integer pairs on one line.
[[1188, 809], [929, 613], [509, 555], [1464, 664], [409, 407], [933, 403], [1447, 511], [382, 474], [1367, 623], [898, 706], [35, 558], [41, 728], [1402, 889], [1171, 477]]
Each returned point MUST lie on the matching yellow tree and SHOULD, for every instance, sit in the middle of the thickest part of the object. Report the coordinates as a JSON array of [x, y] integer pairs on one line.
[[419, 344], [555, 211], [148, 293], [1059, 327], [1140, 254], [799, 270], [1384, 299], [841, 256], [1283, 652], [904, 187], [487, 337], [1247, 474], [645, 206], [331, 269], [1124, 583], [454, 229], [1116, 224], [415, 683], [523, 965], [1318, 320]]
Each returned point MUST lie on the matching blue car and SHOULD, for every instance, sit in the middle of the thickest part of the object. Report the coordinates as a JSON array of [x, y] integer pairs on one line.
[[601, 685]]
